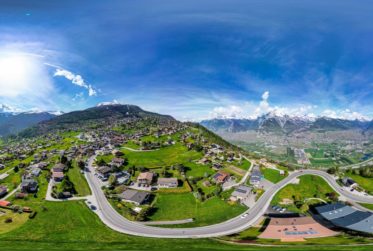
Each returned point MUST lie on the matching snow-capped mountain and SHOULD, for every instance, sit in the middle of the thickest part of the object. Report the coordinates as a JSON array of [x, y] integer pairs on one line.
[[13, 121], [286, 124]]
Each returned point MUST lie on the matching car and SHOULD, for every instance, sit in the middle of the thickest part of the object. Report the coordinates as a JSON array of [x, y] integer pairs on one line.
[[283, 210], [153, 189], [244, 215], [92, 207]]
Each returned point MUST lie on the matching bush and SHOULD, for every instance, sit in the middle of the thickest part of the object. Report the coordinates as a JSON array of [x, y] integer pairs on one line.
[[8, 220], [32, 215]]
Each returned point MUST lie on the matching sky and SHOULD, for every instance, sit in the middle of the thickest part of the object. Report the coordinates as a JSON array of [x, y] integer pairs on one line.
[[190, 59]]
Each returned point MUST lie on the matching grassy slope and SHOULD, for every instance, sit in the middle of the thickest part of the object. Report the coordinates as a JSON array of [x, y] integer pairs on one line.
[[366, 183], [163, 157], [309, 186], [185, 206], [272, 175], [17, 220], [80, 183], [71, 226]]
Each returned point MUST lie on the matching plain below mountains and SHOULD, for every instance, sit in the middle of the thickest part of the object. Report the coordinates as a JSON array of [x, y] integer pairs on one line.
[[286, 125]]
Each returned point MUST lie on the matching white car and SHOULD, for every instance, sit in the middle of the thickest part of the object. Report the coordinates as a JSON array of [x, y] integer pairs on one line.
[[244, 215]]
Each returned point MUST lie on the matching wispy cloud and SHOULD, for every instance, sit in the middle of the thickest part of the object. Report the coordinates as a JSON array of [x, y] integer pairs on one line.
[[76, 80]]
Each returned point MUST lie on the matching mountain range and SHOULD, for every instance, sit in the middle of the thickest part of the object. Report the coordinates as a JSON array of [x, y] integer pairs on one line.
[[286, 124], [12, 123]]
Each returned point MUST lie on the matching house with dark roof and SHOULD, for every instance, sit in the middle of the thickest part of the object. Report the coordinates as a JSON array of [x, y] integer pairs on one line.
[[29, 185], [167, 182], [347, 217], [256, 176], [3, 191], [134, 196], [240, 193]]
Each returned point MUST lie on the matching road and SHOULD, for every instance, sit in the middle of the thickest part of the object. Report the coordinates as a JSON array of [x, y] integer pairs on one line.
[[115, 221]]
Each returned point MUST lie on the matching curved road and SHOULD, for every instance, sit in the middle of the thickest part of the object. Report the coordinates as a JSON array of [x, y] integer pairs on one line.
[[115, 221]]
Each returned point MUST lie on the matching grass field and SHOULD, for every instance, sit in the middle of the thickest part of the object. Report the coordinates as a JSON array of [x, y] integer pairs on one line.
[[272, 175], [196, 170], [80, 183], [309, 186], [366, 183], [369, 206], [17, 220], [185, 206], [71, 226], [176, 154]]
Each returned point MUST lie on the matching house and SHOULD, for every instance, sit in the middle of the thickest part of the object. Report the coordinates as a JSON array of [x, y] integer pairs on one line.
[[145, 179], [167, 182], [221, 177], [117, 162], [240, 193], [256, 176], [3, 190], [2, 166], [122, 177], [4, 203], [35, 171], [57, 176], [348, 182], [29, 185], [58, 167], [103, 172], [133, 196]]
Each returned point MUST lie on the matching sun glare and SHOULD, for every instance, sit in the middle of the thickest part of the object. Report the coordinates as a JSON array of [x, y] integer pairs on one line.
[[14, 70]]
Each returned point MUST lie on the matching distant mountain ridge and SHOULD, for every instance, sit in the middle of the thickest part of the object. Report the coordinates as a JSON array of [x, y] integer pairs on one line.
[[101, 114], [285, 124], [13, 123]]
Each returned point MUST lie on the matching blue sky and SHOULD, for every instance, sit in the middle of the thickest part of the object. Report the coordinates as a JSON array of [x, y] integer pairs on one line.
[[191, 59]]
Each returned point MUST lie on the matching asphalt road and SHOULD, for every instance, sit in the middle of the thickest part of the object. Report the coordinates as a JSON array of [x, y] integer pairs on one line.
[[115, 221]]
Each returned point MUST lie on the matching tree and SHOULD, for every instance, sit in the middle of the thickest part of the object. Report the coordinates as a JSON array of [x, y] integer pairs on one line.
[[81, 164], [16, 169], [112, 180], [304, 208]]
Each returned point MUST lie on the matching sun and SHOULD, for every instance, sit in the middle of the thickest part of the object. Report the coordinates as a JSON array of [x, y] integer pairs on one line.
[[14, 72]]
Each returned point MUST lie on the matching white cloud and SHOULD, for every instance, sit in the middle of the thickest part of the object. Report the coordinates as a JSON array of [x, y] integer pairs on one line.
[[76, 80], [227, 112], [344, 114], [251, 111]]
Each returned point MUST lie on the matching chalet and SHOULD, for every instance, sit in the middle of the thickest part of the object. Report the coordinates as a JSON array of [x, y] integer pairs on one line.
[[133, 196], [4, 203], [103, 172], [348, 182], [3, 190], [220, 177], [122, 177], [57, 176], [29, 185], [256, 176], [145, 179], [167, 182], [35, 171], [117, 162], [240, 193]]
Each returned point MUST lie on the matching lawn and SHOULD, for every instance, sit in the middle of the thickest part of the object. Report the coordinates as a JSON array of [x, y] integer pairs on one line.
[[185, 206], [167, 156], [366, 183], [369, 206], [17, 220], [309, 186], [74, 227], [79, 181], [272, 175], [196, 170]]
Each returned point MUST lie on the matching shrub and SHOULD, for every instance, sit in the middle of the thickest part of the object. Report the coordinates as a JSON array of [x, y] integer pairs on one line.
[[32, 215], [8, 220]]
